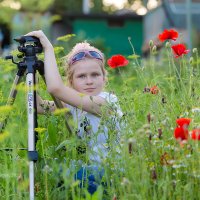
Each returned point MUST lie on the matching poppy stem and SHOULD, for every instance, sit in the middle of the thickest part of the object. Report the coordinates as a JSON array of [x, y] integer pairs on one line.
[[129, 39]]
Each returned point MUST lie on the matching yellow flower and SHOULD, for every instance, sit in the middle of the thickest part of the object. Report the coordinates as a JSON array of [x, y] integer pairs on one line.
[[61, 111], [40, 130], [5, 109], [21, 87]]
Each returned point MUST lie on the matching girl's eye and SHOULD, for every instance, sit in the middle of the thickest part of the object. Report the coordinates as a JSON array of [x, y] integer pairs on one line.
[[95, 74], [81, 76]]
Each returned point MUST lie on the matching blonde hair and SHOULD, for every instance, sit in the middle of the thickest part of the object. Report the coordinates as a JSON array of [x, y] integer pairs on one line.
[[76, 49]]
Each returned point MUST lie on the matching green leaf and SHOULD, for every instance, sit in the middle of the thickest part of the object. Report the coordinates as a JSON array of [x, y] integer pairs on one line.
[[133, 56], [62, 144], [66, 38], [55, 18], [52, 131]]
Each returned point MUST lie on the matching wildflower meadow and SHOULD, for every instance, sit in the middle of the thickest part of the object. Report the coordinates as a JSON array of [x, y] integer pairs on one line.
[[159, 154]]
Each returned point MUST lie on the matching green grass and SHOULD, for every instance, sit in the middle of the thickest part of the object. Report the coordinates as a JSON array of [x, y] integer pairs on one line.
[[151, 165]]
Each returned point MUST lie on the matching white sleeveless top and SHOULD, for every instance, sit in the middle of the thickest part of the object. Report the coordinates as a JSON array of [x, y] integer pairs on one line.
[[88, 126]]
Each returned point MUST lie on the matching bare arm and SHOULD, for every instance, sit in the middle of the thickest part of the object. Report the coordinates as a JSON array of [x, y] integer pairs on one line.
[[55, 85]]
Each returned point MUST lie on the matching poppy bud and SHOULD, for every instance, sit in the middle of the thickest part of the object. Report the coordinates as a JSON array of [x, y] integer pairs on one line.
[[154, 49], [195, 50], [150, 136], [130, 148], [151, 43], [168, 45], [191, 60]]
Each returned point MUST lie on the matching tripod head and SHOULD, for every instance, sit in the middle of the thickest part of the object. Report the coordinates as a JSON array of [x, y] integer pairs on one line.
[[29, 46]]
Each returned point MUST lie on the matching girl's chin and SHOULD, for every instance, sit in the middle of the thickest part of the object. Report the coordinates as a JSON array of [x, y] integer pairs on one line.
[[93, 93]]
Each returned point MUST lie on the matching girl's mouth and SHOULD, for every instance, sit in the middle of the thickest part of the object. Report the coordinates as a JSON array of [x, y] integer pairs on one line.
[[90, 89]]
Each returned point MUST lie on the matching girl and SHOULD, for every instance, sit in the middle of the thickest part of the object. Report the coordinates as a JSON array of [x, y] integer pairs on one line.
[[84, 97]]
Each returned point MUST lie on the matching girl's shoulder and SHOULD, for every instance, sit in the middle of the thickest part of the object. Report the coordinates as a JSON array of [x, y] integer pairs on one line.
[[109, 97], [112, 101]]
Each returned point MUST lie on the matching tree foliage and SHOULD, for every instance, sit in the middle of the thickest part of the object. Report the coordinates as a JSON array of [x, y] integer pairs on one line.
[[35, 5], [69, 6], [6, 14]]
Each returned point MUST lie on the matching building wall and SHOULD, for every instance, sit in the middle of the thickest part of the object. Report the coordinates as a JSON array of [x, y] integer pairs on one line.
[[112, 30], [168, 16], [114, 33]]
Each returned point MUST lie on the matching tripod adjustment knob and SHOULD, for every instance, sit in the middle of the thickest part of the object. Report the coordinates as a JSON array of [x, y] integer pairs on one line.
[[9, 57]]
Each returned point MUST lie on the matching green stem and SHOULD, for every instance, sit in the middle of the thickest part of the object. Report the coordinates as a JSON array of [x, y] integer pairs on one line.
[[129, 39]]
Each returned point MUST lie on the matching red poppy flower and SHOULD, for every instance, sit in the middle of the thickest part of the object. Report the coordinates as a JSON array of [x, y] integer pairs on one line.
[[117, 61], [168, 35], [181, 133], [154, 90], [195, 134], [183, 122], [179, 50]]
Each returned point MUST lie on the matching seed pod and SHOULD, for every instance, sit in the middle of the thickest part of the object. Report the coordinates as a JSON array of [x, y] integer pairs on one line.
[[153, 174], [131, 142], [159, 133], [149, 118]]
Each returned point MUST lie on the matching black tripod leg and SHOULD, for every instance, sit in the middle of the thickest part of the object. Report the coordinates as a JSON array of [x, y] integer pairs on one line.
[[11, 99], [60, 105]]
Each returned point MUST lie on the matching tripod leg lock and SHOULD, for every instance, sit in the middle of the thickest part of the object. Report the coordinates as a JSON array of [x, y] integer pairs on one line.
[[33, 156]]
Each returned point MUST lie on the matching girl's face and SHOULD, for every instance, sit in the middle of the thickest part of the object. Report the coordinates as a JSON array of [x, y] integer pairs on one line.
[[88, 77]]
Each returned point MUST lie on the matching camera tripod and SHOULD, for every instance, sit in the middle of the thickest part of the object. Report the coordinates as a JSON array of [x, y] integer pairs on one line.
[[30, 46]]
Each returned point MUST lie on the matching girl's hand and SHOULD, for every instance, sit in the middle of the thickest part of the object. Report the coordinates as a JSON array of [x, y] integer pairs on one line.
[[42, 37]]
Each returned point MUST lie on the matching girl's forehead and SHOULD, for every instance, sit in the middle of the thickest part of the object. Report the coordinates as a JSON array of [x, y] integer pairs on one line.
[[87, 65]]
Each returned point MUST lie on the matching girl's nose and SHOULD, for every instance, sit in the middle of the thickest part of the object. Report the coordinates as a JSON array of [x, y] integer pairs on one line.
[[89, 80]]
